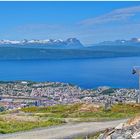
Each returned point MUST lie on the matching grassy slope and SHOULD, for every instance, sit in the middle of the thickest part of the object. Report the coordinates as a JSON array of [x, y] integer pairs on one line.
[[10, 126], [54, 115], [73, 111]]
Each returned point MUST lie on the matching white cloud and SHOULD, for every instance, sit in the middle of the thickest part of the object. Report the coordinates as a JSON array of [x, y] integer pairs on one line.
[[115, 15]]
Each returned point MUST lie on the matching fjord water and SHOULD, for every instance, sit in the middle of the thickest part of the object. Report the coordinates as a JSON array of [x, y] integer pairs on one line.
[[86, 73]]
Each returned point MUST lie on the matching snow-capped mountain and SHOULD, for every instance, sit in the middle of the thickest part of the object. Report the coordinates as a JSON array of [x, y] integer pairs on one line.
[[69, 43], [131, 42], [10, 42]]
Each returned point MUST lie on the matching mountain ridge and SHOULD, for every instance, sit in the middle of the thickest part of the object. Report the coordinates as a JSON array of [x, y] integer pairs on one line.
[[47, 43], [68, 49], [123, 42]]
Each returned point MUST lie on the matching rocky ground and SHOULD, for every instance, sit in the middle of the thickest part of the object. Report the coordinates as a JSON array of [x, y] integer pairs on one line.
[[128, 130]]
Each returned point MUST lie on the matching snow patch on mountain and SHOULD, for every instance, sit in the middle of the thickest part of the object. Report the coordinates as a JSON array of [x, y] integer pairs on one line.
[[69, 43]]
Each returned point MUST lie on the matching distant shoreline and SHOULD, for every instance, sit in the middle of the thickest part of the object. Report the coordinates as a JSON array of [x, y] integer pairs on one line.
[[15, 53], [61, 59], [57, 82]]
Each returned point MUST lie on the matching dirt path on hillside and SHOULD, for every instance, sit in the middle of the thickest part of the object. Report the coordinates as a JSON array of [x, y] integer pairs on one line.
[[63, 131]]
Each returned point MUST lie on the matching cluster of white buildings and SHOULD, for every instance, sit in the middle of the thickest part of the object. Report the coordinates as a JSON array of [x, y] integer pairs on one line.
[[22, 93]]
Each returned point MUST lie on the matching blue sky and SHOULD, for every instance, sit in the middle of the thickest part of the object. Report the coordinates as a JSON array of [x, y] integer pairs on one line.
[[90, 22]]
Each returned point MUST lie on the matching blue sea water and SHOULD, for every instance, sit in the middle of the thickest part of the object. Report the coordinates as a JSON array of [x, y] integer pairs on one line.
[[86, 73]]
